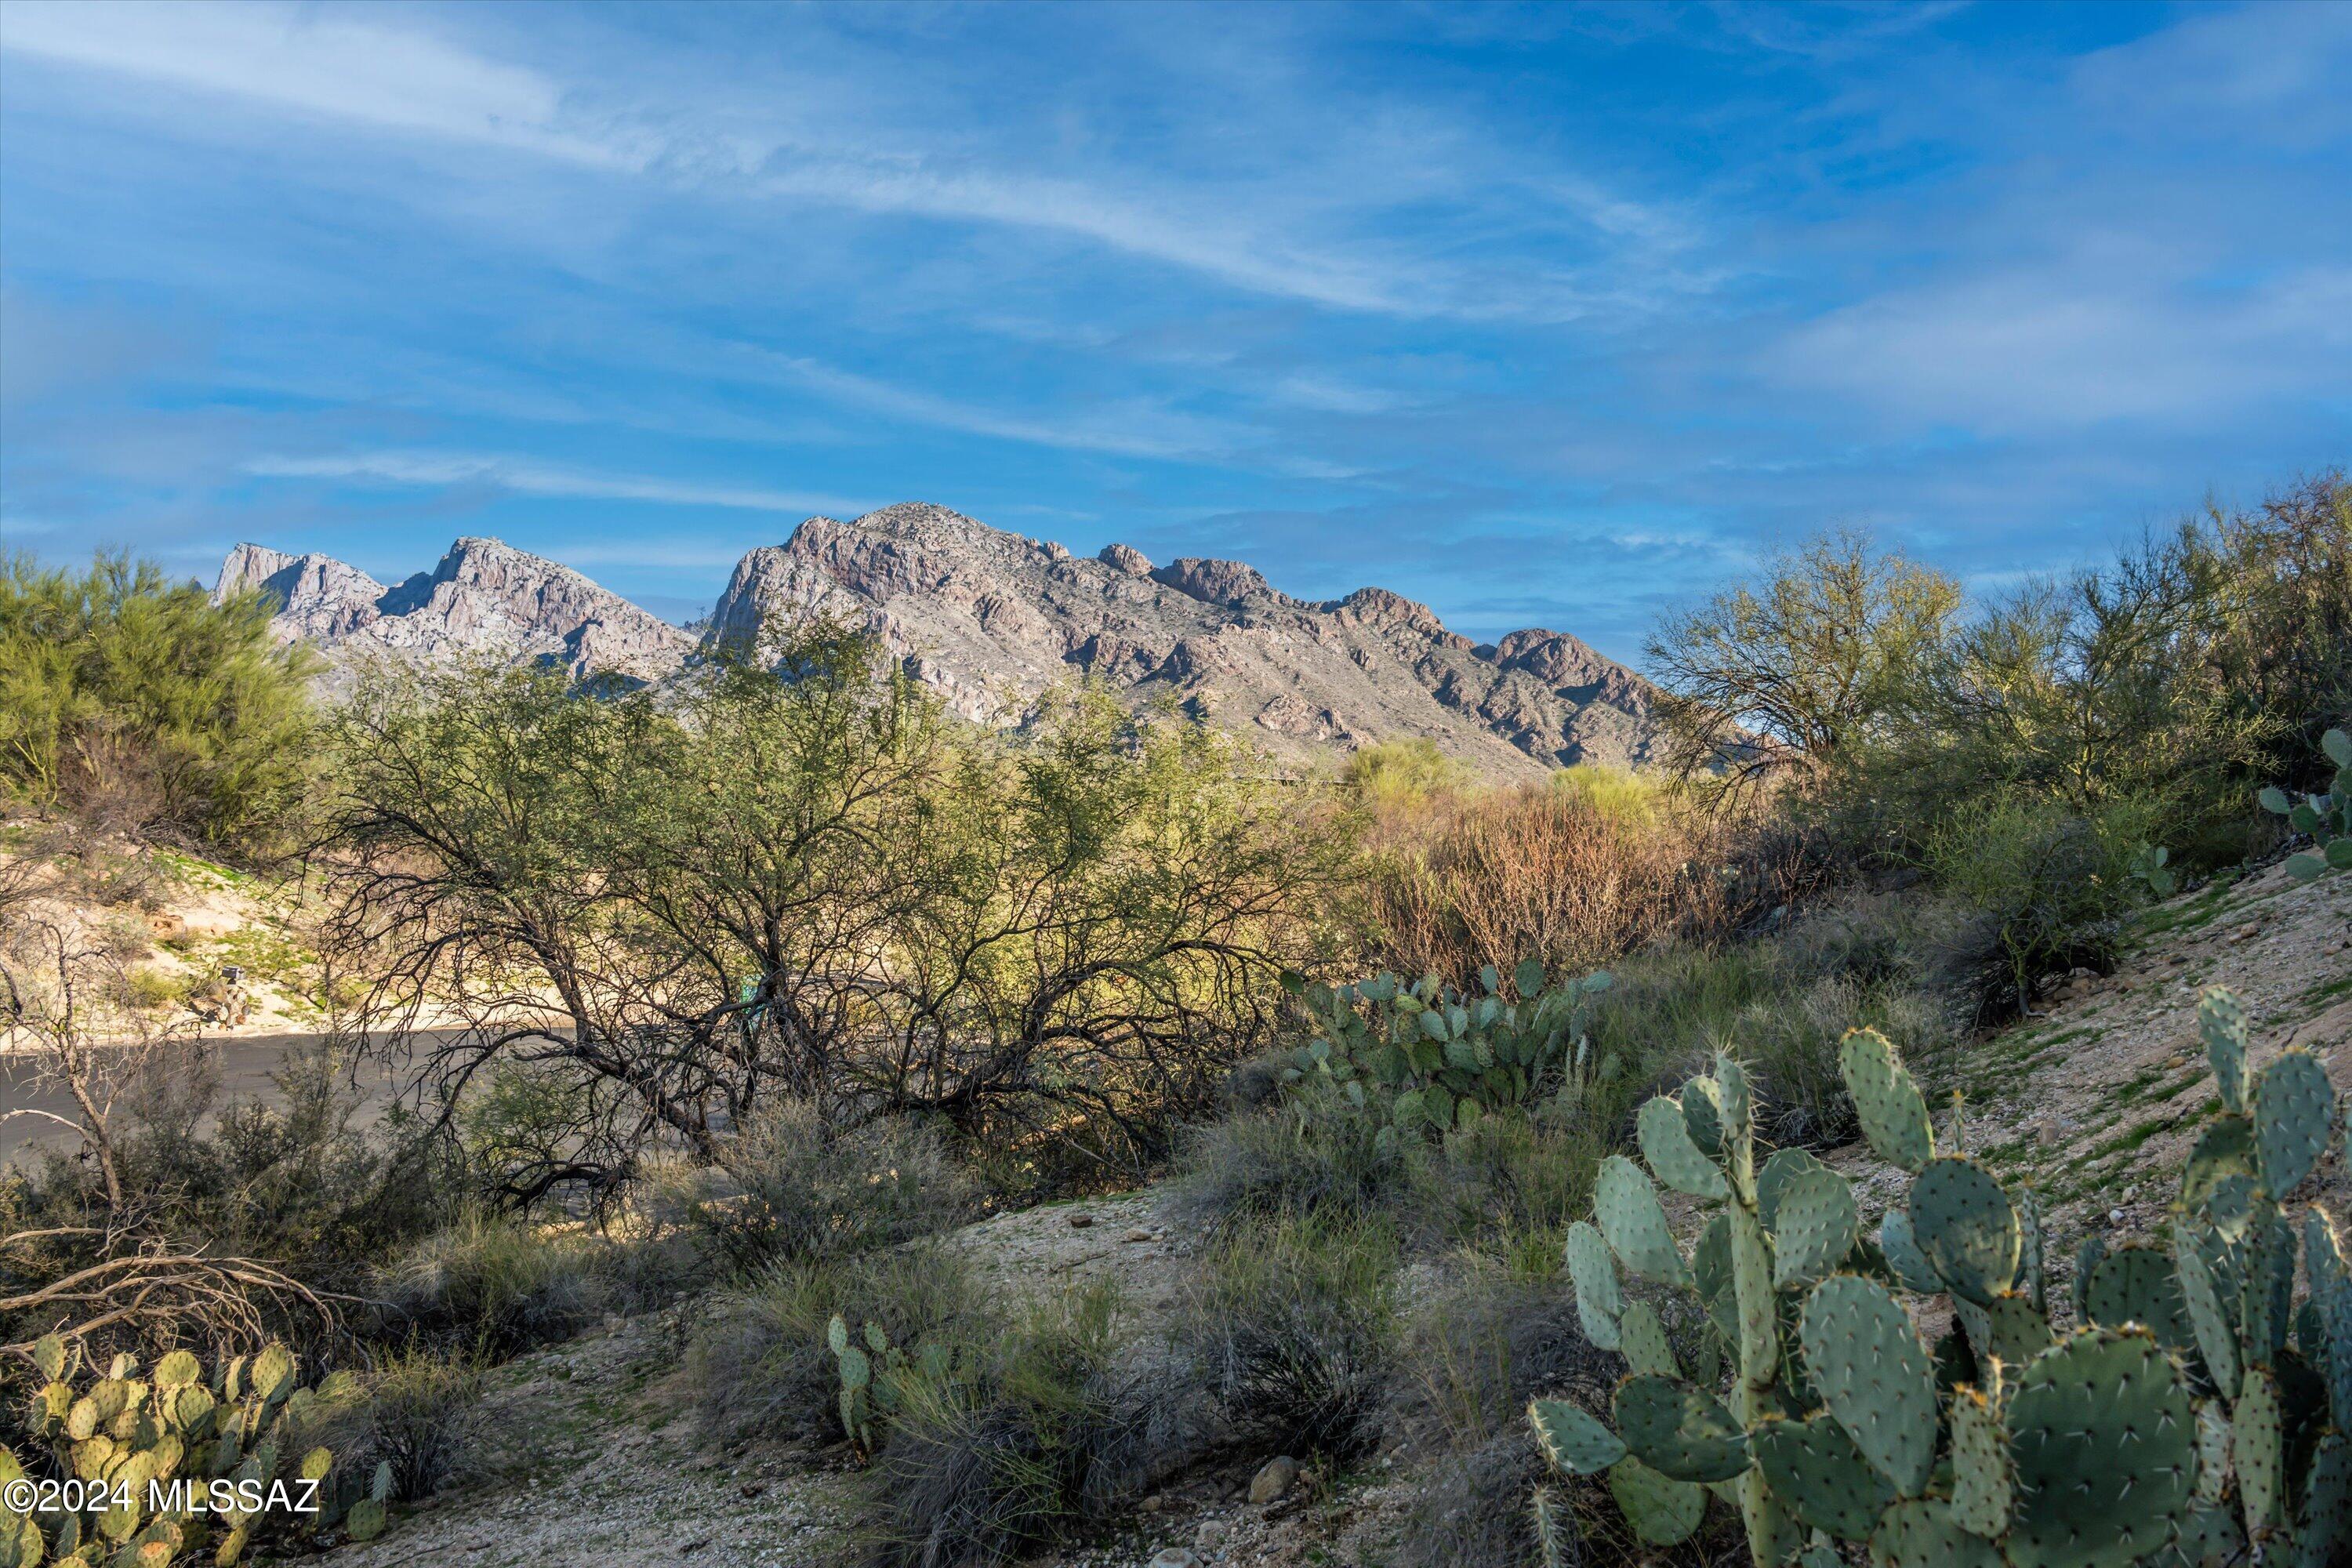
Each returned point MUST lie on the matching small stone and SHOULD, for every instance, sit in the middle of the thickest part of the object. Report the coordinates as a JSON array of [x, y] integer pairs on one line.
[[1274, 1478], [1080, 1221], [1154, 1503], [753, 1488], [1138, 1236], [2115, 1216], [1175, 1557], [1211, 1535]]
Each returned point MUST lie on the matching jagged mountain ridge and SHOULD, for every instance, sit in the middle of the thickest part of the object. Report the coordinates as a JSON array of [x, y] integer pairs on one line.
[[990, 618], [484, 594]]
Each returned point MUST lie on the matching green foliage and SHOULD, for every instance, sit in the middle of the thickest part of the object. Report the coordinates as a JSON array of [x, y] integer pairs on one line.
[[245, 1428], [136, 702], [1804, 671], [806, 1188], [1433, 1058], [2103, 1448], [2324, 818], [1295, 1325], [817, 884], [760, 1362], [998, 1447], [1402, 774], [2055, 881], [1634, 800]]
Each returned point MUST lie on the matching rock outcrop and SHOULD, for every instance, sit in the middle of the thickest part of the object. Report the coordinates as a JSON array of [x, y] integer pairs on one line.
[[485, 595], [990, 618]]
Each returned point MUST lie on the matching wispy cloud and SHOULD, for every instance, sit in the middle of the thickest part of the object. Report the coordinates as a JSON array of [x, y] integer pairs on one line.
[[524, 477], [1135, 430]]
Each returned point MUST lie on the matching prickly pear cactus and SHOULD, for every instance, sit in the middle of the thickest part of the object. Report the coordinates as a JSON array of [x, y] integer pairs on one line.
[[156, 1445], [2198, 1410], [1430, 1058], [2326, 818]]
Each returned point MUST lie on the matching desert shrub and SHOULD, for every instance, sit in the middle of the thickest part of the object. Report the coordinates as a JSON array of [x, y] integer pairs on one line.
[[137, 704], [1041, 1433], [423, 1418], [1567, 875], [1309, 1152], [758, 1363], [812, 880], [810, 1189], [1507, 1186], [1907, 966], [1636, 800], [1402, 775], [1477, 1347], [2053, 881], [1292, 1326], [494, 1285]]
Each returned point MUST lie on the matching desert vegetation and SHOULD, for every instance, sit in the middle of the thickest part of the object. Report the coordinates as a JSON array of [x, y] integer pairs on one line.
[[743, 996]]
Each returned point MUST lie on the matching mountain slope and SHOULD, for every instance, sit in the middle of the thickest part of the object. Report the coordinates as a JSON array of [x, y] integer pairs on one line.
[[990, 619], [483, 595]]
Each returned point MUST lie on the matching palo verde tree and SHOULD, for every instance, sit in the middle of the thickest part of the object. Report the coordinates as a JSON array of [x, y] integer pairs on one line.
[[798, 879]]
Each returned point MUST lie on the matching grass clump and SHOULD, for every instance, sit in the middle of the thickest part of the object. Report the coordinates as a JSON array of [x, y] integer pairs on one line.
[[495, 1285], [809, 1187], [1293, 1328], [1037, 1434], [760, 1366], [1305, 1152]]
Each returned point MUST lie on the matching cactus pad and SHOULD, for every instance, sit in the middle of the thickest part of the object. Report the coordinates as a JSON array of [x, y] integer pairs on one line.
[[1814, 1466], [1783, 1167], [2221, 1020], [2203, 1295], [2136, 1285], [1910, 1266], [2257, 1449], [1627, 1207], [1571, 1440], [2224, 1149], [1711, 1268], [2323, 1533], [1815, 1227], [1983, 1489], [1920, 1532], [2295, 1110], [1680, 1430], [1702, 1106], [1865, 1360], [1593, 1273], [2013, 1332], [1641, 1336], [2104, 1436], [1662, 1511], [1966, 1227], [1893, 1112], [1677, 1161], [2212, 1450]]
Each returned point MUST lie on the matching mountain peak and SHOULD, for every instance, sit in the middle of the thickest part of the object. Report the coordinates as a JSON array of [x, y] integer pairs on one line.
[[483, 595]]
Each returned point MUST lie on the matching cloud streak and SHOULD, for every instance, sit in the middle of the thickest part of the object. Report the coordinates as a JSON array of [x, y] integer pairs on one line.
[[524, 477]]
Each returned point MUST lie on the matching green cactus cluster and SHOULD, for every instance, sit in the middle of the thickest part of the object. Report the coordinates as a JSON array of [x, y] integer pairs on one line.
[[172, 1425], [2328, 818], [1431, 1057], [878, 1377], [2197, 1413]]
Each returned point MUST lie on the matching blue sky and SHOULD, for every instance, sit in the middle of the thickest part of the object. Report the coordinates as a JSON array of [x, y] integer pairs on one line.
[[1549, 316]]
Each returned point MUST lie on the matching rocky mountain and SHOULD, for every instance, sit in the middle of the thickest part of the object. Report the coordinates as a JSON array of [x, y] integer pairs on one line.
[[483, 595], [990, 619]]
